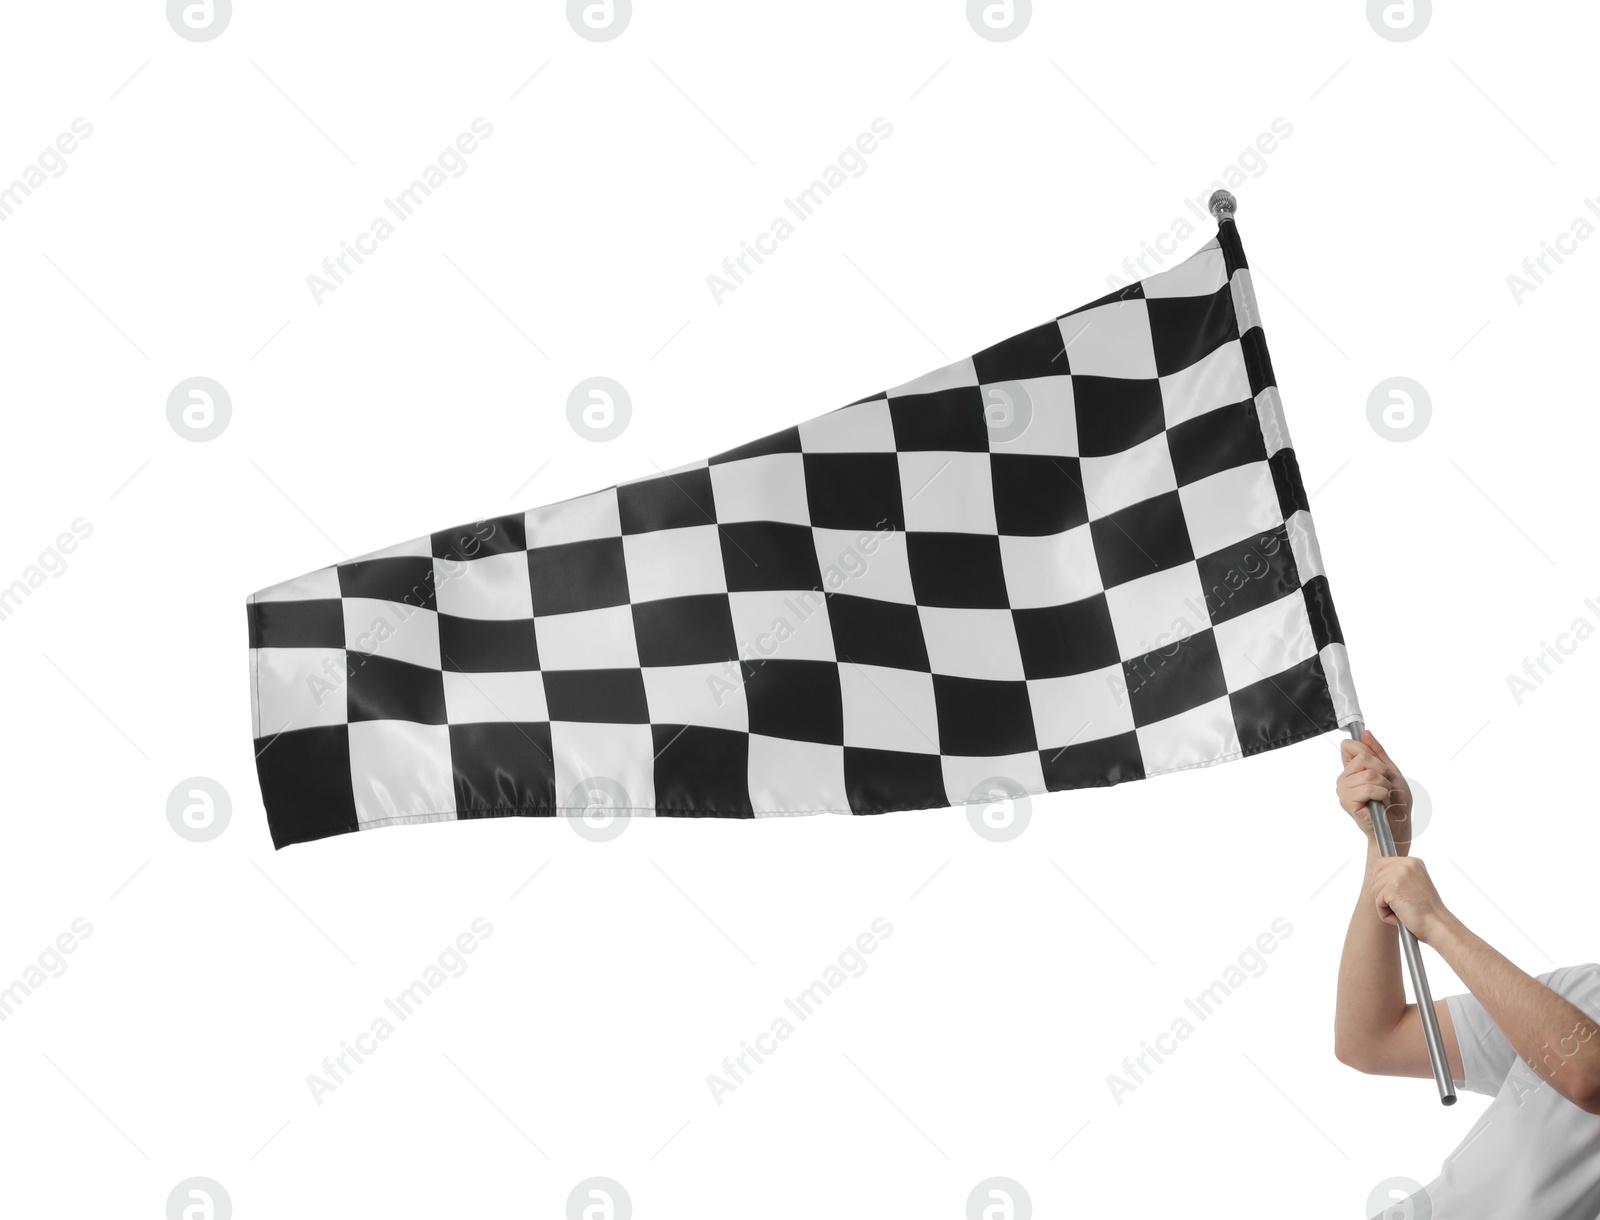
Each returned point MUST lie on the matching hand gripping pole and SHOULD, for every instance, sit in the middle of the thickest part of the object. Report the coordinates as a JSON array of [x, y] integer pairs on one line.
[[1413, 955]]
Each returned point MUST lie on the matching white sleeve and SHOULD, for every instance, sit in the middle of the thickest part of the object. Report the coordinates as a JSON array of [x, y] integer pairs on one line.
[[1486, 1056], [1578, 984]]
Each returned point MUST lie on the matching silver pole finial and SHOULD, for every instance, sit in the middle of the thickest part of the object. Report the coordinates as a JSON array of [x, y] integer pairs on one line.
[[1223, 205]]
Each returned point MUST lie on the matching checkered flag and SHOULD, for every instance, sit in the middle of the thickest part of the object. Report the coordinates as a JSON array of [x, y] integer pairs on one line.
[[1079, 557]]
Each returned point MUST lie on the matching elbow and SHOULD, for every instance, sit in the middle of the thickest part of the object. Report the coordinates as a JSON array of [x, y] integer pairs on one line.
[[1364, 1055], [1584, 1093], [1351, 1055]]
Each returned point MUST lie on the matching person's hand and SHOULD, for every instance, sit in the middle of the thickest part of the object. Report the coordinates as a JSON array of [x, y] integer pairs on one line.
[[1401, 887], [1370, 775]]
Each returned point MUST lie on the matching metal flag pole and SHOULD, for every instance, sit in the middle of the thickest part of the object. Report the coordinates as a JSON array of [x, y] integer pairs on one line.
[[1413, 955], [1223, 206]]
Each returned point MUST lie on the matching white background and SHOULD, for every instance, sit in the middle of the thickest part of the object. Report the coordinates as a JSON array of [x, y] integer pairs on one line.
[[432, 385]]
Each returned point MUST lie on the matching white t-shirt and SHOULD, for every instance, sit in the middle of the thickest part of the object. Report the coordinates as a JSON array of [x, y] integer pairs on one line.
[[1533, 1155]]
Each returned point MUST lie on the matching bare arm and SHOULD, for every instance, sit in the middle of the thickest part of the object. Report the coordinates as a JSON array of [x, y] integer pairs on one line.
[[1548, 1032], [1375, 1030]]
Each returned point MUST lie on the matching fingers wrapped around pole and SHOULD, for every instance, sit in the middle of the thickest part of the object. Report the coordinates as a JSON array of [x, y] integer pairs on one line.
[[1413, 954]]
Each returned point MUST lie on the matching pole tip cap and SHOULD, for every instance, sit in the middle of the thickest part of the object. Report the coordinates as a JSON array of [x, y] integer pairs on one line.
[[1223, 205]]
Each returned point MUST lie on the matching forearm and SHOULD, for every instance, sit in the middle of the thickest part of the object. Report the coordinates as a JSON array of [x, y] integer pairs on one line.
[[1371, 998], [1549, 1033]]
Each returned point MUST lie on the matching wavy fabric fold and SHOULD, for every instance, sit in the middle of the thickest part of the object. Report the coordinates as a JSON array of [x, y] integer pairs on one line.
[[1081, 556]]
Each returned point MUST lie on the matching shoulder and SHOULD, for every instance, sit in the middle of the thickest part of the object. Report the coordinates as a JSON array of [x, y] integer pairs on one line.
[[1580, 971], [1580, 984]]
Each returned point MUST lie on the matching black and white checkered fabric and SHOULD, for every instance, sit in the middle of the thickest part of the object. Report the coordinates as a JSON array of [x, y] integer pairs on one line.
[[1079, 557]]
